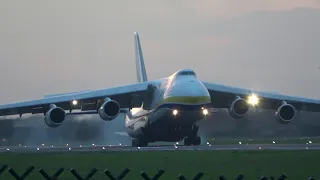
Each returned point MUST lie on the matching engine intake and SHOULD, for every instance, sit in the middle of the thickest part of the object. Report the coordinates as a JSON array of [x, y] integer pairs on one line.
[[109, 110], [55, 116], [239, 108], [286, 113]]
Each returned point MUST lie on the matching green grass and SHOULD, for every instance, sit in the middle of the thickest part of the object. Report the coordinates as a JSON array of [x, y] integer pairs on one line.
[[252, 164]]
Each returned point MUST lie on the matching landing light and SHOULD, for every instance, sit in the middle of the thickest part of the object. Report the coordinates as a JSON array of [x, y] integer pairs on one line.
[[175, 112], [74, 102], [253, 99], [205, 111]]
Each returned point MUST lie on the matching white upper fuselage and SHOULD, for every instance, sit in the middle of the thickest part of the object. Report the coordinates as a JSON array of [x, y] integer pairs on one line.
[[181, 88]]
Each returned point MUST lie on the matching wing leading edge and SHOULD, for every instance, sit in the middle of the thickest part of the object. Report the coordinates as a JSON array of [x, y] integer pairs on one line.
[[223, 95], [127, 96]]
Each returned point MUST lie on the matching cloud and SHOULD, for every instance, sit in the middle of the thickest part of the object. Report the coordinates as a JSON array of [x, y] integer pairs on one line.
[[51, 47], [233, 9], [260, 124], [272, 51], [76, 130]]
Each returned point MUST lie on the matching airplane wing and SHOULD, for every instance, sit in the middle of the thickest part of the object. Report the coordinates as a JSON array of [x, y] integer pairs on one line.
[[127, 96], [222, 96]]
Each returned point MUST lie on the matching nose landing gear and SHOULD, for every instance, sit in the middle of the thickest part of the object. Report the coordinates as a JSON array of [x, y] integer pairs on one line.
[[193, 138], [140, 142]]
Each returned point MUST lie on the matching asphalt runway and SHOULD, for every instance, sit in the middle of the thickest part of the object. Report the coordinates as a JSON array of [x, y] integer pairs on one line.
[[97, 148]]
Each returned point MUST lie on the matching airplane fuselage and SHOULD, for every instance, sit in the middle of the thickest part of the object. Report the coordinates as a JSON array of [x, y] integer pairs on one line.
[[178, 102]]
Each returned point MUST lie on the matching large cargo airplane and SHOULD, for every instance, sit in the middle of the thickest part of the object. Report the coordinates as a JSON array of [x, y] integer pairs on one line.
[[161, 110]]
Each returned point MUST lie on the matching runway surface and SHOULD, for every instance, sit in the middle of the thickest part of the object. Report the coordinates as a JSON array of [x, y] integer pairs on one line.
[[26, 149]]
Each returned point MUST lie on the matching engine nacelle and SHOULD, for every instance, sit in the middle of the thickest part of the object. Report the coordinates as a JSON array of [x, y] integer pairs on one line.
[[239, 108], [55, 116], [109, 110], [285, 113]]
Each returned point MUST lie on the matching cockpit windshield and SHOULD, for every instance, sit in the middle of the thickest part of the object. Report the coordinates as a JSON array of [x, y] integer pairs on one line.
[[186, 73]]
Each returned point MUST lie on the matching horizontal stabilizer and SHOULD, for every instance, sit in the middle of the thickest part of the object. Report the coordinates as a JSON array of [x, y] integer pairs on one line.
[[122, 133], [213, 110]]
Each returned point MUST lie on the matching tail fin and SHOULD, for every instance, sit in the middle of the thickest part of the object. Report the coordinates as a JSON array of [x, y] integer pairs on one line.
[[140, 67]]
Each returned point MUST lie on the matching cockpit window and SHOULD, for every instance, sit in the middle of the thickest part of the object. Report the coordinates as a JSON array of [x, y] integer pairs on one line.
[[185, 73]]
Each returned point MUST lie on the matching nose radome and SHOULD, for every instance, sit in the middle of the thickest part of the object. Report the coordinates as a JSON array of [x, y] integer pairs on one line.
[[191, 89]]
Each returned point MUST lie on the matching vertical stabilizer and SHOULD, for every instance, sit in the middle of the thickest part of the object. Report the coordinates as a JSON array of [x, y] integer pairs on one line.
[[140, 67]]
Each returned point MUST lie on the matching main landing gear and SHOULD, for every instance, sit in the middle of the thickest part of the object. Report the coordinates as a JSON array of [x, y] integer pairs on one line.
[[192, 137], [139, 142]]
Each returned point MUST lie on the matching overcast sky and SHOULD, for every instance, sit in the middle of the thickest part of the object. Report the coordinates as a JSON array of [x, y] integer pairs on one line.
[[60, 46]]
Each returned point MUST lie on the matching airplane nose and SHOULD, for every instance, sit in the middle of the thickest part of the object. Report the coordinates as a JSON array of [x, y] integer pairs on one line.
[[190, 91]]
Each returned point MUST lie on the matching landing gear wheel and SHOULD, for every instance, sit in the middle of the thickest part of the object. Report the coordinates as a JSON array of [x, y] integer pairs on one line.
[[139, 142], [188, 141], [195, 128]]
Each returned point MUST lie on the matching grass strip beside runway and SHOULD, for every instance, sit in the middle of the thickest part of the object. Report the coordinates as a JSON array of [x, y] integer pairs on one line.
[[252, 164]]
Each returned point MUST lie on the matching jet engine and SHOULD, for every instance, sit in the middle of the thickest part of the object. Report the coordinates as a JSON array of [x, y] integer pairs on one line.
[[55, 116], [239, 108], [109, 110], [285, 113]]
